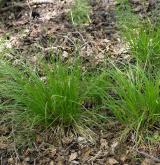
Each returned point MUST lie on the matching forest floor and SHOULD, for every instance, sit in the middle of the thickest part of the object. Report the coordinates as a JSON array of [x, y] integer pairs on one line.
[[38, 31]]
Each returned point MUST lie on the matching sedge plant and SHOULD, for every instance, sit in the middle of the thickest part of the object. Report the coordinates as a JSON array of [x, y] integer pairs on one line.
[[97, 87], [142, 36], [133, 97], [145, 45], [52, 100]]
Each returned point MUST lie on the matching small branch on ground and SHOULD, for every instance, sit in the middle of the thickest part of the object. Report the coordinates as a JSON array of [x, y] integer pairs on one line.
[[144, 154]]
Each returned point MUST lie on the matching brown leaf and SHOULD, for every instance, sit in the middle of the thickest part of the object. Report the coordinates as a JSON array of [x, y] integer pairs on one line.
[[73, 156], [104, 144], [114, 146], [112, 161], [85, 153]]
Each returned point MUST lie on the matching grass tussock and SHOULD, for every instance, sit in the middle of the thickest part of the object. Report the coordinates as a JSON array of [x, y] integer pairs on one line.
[[134, 92], [145, 46], [54, 100], [62, 97], [142, 36], [135, 99], [58, 99]]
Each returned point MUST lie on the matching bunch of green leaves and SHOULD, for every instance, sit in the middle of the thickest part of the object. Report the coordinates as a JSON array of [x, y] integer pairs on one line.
[[143, 37], [54, 99], [145, 45], [133, 97], [126, 19], [97, 87]]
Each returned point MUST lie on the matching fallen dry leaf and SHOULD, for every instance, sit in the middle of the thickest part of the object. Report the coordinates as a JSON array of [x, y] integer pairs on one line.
[[113, 146], [85, 153], [104, 144], [112, 161], [73, 156]]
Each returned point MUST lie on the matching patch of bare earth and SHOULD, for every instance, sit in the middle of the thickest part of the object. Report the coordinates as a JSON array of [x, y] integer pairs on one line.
[[38, 31]]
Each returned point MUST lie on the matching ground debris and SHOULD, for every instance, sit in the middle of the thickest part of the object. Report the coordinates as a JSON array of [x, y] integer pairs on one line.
[[46, 29]]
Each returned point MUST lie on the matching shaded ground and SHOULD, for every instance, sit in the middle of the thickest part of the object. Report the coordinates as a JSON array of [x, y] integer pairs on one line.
[[45, 28]]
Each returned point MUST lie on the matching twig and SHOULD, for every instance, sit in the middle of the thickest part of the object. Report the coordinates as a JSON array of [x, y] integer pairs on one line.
[[95, 157], [30, 13], [149, 156], [15, 149], [23, 5], [1, 160]]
